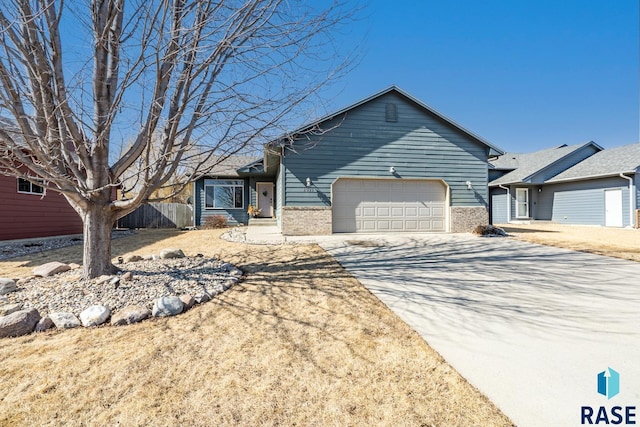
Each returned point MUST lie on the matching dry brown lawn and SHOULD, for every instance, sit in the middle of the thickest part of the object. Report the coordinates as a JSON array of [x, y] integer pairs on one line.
[[615, 242], [299, 342]]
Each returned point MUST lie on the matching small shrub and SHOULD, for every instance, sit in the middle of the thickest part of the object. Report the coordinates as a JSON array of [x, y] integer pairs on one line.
[[215, 221], [489, 230]]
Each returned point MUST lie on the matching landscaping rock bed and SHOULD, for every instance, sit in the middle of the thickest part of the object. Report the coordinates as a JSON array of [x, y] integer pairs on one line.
[[158, 285]]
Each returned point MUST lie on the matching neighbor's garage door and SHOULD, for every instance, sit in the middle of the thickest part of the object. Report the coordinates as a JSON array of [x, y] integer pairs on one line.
[[371, 205]]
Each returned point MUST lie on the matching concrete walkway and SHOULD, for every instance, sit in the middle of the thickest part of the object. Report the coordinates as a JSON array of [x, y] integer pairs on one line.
[[530, 326]]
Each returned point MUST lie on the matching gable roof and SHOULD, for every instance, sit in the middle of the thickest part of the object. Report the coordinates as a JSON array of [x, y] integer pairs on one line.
[[609, 162], [229, 166], [494, 150], [524, 166]]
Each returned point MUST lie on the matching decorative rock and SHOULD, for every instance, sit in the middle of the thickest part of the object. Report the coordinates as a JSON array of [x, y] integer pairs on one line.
[[127, 277], [6, 309], [132, 258], [19, 323], [114, 281], [130, 314], [64, 320], [50, 268], [7, 286], [187, 300], [148, 257], [171, 253], [236, 272], [24, 280], [167, 306], [44, 324], [94, 315], [74, 266], [226, 267], [103, 279], [202, 298]]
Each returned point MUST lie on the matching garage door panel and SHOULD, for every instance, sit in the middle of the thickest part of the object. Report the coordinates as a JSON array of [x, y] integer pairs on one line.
[[388, 205], [399, 211]]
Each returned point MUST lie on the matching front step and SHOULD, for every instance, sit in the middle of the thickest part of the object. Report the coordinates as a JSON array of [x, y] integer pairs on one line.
[[263, 221]]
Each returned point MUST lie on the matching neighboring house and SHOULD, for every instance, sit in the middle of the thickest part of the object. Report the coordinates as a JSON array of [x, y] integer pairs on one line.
[[386, 163], [580, 184], [30, 211], [516, 180]]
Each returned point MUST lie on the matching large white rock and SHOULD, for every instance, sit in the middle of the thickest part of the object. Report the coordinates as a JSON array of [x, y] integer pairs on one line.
[[50, 268], [19, 323], [94, 315], [64, 320], [171, 253], [7, 285], [167, 306]]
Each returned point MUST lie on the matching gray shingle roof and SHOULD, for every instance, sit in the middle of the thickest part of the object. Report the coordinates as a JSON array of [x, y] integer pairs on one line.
[[612, 161], [229, 166], [528, 164]]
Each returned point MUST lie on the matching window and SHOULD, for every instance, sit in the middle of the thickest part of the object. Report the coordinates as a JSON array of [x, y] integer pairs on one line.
[[25, 186], [223, 194], [391, 112]]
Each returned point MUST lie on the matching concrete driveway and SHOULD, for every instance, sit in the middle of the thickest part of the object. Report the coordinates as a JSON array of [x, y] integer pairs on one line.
[[530, 326]]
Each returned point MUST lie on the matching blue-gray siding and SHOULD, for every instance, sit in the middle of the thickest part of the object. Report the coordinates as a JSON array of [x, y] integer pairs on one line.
[[582, 202], [417, 145], [234, 216]]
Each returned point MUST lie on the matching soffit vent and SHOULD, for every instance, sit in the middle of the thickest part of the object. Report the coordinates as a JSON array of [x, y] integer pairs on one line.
[[391, 112]]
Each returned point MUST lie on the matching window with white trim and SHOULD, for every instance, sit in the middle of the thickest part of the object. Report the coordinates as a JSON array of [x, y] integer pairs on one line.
[[223, 194], [28, 187]]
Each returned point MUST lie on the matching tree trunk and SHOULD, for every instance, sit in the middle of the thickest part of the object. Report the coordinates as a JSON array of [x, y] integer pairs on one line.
[[97, 223]]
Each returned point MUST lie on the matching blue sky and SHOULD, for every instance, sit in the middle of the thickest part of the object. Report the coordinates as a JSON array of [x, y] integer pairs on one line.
[[524, 75]]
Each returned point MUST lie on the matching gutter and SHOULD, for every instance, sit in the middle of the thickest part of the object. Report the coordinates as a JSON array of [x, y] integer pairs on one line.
[[632, 199], [508, 201], [193, 204]]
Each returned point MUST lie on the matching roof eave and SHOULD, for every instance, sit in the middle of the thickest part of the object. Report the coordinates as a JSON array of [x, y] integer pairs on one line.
[[586, 177]]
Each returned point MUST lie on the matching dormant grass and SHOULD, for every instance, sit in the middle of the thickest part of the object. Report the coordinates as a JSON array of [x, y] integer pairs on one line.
[[614, 242], [299, 343]]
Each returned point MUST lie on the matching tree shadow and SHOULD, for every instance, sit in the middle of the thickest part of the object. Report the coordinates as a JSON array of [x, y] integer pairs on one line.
[[453, 282]]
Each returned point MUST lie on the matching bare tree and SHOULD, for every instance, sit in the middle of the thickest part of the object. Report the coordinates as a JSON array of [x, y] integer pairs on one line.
[[78, 78]]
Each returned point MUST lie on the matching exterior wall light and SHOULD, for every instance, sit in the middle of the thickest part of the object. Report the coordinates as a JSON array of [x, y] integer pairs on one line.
[[308, 181], [392, 170], [469, 185]]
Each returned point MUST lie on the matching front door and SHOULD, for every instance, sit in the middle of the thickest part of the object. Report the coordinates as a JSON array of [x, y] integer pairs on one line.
[[522, 203], [613, 208], [265, 199]]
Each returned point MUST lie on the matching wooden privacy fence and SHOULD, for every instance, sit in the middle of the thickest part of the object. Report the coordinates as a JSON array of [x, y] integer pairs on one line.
[[158, 215]]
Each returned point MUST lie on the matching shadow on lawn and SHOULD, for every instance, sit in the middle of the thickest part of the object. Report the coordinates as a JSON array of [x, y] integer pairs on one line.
[[119, 246], [311, 303], [502, 280]]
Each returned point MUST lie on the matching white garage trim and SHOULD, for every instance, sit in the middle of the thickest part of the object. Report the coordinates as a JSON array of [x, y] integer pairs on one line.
[[374, 204]]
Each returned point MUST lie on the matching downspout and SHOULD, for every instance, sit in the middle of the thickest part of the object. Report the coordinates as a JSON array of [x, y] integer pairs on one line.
[[193, 203], [632, 199], [508, 201]]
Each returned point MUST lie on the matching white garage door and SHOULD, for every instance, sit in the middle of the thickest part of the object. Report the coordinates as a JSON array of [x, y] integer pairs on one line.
[[373, 205]]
